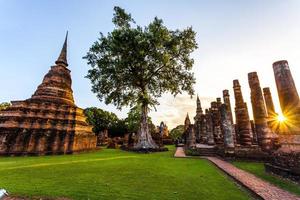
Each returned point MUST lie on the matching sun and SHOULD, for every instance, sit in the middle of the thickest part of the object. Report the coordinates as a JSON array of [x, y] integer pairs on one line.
[[281, 118]]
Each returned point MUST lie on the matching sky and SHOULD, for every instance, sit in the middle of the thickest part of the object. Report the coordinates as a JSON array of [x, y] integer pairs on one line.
[[234, 37]]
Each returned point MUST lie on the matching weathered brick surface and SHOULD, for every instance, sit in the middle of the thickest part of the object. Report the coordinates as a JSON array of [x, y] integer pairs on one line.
[[243, 126], [264, 133], [49, 122]]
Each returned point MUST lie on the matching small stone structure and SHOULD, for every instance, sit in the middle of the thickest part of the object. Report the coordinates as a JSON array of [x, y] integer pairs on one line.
[[191, 138], [162, 135], [102, 137], [49, 122]]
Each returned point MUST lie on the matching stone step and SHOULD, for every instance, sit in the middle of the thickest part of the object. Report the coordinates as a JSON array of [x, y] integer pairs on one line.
[[204, 150], [207, 151]]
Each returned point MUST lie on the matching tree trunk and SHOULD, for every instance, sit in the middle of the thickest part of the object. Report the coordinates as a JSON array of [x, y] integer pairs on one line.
[[145, 140]]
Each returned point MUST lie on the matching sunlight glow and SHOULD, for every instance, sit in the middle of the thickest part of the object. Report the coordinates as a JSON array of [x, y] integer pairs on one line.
[[281, 118]]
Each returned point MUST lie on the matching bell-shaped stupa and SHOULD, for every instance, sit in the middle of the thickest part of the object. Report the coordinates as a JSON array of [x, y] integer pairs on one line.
[[49, 122]]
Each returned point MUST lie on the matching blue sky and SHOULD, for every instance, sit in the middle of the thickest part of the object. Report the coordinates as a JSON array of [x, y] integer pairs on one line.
[[234, 37]]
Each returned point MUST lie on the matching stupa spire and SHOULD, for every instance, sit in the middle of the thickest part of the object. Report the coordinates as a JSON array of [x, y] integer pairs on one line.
[[199, 110], [187, 122], [62, 58], [187, 116], [198, 100]]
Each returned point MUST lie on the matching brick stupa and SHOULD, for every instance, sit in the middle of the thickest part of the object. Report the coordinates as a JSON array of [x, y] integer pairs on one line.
[[49, 122]]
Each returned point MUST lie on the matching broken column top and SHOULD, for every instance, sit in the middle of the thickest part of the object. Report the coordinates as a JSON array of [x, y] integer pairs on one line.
[[280, 65], [266, 90], [252, 75], [225, 92], [280, 62], [236, 83], [213, 104], [237, 92], [253, 79]]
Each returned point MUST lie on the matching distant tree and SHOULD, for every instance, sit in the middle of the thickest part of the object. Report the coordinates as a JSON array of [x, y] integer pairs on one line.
[[177, 132], [4, 105], [133, 65], [118, 129], [103, 120], [100, 119]]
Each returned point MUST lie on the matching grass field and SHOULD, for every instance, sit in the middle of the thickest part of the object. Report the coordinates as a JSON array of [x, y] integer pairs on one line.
[[115, 174], [258, 169]]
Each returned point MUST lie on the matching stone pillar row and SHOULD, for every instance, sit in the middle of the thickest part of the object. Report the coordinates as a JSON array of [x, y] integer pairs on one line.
[[216, 125]]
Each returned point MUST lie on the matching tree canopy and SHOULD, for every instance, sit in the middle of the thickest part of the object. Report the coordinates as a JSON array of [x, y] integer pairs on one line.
[[4, 105], [103, 120], [177, 132], [134, 65]]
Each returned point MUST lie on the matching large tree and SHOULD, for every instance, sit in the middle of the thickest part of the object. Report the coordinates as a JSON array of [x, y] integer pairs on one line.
[[134, 65]]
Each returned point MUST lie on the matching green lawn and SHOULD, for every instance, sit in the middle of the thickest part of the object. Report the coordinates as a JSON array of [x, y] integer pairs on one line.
[[115, 174], [258, 169]]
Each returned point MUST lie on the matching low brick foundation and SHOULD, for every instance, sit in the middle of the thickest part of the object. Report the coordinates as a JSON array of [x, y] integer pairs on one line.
[[285, 164]]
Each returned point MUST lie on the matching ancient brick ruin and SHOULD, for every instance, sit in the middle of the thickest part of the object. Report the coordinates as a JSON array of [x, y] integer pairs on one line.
[[49, 122], [263, 132], [286, 160], [264, 138], [243, 126]]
